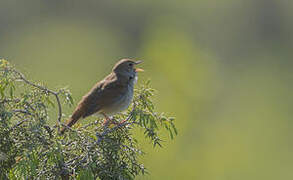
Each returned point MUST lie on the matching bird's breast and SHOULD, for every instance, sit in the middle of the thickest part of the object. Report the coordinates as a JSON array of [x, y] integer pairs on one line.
[[126, 100], [121, 104]]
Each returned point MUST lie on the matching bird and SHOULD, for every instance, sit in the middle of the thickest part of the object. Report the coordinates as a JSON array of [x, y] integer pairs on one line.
[[109, 96]]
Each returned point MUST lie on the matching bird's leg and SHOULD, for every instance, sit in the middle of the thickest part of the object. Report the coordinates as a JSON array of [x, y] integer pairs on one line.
[[107, 119], [123, 121]]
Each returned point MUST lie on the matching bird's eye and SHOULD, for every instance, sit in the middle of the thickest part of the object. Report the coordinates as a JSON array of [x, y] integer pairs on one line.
[[130, 64]]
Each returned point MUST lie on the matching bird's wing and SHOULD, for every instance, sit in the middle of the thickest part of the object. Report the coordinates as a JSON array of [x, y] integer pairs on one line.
[[84, 106], [103, 95]]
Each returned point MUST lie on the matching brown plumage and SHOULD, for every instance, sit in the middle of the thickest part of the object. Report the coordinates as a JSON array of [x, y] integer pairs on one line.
[[109, 96]]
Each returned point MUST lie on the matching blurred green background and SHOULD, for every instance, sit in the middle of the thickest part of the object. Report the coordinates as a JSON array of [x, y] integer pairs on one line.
[[223, 68]]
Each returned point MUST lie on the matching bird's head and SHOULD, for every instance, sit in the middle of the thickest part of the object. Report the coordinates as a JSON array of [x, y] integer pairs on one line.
[[126, 67]]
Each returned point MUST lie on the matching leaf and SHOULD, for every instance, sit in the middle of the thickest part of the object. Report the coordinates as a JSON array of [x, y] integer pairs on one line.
[[171, 134], [174, 128], [2, 91], [171, 118], [84, 175], [3, 63], [11, 90], [70, 98], [49, 101]]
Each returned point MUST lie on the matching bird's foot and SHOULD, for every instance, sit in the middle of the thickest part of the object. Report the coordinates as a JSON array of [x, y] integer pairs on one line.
[[107, 120], [122, 122]]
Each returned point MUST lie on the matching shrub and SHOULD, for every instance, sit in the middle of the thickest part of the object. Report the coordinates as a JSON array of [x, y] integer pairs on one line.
[[31, 148]]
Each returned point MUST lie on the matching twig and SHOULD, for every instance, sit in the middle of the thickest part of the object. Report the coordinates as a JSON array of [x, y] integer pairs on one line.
[[9, 100], [107, 131], [20, 123], [21, 111], [90, 124], [67, 127], [56, 94]]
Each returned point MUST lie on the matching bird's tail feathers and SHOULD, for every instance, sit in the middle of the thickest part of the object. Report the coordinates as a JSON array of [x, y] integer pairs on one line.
[[77, 114]]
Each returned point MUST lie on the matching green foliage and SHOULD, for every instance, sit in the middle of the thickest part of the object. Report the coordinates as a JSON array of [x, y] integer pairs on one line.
[[31, 149]]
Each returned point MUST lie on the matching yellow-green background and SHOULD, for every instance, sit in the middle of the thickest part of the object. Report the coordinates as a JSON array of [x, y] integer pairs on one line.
[[223, 68]]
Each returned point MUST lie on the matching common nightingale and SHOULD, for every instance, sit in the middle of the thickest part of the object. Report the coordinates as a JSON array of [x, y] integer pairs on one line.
[[111, 95]]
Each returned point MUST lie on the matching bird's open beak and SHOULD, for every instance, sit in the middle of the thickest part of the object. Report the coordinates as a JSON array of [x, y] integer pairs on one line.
[[138, 62], [138, 69]]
